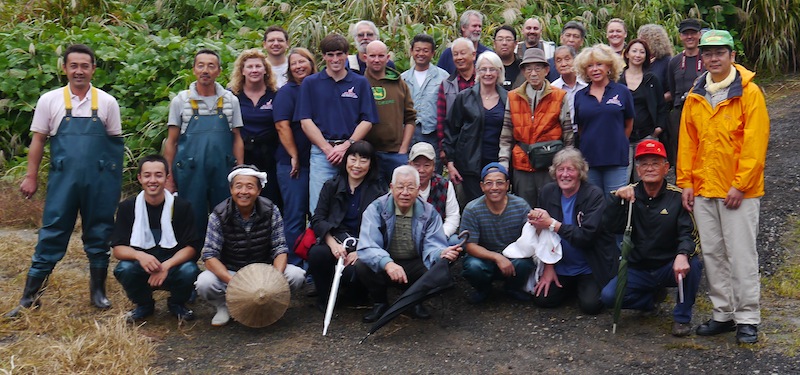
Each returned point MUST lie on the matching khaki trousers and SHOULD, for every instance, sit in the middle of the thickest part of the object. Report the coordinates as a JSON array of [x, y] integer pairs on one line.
[[728, 241]]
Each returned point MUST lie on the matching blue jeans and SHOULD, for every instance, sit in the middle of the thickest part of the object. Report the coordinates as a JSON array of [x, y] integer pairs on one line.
[[481, 272], [295, 205], [642, 284], [321, 171], [609, 178], [179, 281], [387, 162]]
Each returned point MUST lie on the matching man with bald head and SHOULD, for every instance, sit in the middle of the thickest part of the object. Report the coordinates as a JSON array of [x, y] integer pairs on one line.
[[391, 135], [364, 32], [532, 38]]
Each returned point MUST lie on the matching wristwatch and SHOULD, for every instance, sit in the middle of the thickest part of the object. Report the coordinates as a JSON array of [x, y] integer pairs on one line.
[[351, 141], [552, 226]]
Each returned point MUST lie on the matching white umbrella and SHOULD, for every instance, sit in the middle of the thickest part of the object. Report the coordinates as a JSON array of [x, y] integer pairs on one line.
[[337, 277]]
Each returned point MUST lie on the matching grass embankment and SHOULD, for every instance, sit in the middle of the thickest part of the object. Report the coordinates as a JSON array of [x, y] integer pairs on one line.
[[67, 335]]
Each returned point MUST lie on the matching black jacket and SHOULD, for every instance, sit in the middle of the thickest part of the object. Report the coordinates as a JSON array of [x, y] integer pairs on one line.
[[332, 205], [242, 247], [661, 227], [588, 234], [464, 132], [657, 108]]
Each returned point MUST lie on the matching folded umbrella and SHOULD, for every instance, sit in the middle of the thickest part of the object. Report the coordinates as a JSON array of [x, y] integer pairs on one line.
[[435, 281], [337, 278]]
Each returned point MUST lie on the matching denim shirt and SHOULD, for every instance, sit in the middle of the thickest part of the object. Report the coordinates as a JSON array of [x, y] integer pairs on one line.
[[425, 95]]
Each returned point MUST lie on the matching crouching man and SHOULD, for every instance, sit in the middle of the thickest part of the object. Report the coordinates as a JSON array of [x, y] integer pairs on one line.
[[156, 243], [244, 229], [664, 240], [401, 238]]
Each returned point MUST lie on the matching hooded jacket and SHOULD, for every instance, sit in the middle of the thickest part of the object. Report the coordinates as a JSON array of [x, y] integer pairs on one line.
[[724, 146], [395, 110]]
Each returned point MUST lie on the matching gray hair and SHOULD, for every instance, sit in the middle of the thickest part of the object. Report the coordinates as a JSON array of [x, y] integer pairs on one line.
[[464, 20], [492, 58], [368, 23], [573, 155], [566, 48], [464, 41], [405, 170]]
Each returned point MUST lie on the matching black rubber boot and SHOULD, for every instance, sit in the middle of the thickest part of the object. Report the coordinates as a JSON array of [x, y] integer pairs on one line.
[[97, 287], [34, 286]]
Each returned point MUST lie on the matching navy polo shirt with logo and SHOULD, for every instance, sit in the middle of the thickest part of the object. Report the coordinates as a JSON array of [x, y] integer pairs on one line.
[[257, 118], [602, 125], [283, 110], [336, 107]]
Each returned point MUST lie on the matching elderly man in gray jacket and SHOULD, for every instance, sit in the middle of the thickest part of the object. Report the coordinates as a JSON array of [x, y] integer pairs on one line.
[[401, 238]]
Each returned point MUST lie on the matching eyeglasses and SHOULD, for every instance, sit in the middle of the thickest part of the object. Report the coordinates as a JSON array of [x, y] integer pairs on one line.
[[650, 165], [365, 35], [488, 70], [504, 40], [718, 54], [410, 189], [498, 183], [533, 68]]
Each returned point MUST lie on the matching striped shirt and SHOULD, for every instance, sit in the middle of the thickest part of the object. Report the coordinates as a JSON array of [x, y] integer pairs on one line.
[[495, 232]]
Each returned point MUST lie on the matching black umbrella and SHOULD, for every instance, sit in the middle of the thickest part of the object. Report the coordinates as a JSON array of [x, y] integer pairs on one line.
[[435, 281]]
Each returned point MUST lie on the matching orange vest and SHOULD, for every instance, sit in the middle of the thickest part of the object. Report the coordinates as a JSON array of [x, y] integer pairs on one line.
[[544, 126]]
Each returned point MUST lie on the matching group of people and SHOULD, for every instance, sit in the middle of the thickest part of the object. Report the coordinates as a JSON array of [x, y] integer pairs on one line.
[[557, 140]]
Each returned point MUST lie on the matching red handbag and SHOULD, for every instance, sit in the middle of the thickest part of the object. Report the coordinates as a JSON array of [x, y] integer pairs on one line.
[[303, 243]]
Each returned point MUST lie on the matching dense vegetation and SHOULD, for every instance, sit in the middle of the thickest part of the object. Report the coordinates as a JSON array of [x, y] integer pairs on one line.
[[145, 47]]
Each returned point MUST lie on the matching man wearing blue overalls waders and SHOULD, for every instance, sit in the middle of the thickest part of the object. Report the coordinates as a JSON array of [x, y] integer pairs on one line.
[[203, 142], [86, 150]]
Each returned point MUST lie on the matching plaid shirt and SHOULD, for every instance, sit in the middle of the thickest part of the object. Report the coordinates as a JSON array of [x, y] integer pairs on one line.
[[441, 104], [215, 238]]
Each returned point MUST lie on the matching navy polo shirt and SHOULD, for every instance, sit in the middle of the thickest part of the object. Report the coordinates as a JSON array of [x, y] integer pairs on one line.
[[602, 125], [446, 59], [336, 107], [257, 118], [283, 108]]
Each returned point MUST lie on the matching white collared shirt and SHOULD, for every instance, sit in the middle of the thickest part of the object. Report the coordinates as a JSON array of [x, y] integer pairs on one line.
[[51, 109]]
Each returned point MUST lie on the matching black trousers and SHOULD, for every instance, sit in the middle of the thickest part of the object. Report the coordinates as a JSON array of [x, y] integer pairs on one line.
[[586, 287], [322, 265], [377, 283]]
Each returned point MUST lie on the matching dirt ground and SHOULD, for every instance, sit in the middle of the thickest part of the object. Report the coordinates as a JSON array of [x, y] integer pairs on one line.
[[504, 336]]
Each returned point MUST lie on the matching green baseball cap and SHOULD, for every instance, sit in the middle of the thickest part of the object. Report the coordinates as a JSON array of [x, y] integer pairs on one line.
[[716, 38]]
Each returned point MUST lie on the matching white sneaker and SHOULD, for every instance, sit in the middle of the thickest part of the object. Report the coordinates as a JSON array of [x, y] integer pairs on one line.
[[222, 317]]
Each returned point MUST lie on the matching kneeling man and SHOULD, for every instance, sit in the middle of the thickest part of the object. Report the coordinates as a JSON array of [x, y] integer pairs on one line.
[[401, 238], [156, 243], [245, 228], [665, 242]]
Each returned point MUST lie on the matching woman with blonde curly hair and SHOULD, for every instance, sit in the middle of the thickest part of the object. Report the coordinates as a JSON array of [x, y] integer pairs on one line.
[[661, 52], [604, 115], [253, 83]]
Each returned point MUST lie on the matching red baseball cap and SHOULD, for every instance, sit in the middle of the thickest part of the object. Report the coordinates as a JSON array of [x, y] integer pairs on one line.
[[650, 147]]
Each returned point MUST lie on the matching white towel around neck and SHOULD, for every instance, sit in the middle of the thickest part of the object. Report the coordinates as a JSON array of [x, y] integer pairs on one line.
[[141, 235]]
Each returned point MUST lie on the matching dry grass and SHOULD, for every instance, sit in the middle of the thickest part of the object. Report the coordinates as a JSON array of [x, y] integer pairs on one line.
[[18, 212], [67, 335]]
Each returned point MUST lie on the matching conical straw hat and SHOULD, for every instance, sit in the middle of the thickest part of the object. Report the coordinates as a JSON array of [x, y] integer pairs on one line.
[[258, 295]]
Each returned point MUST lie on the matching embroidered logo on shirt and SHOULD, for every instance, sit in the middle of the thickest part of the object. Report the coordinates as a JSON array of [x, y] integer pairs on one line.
[[614, 100], [350, 93], [664, 212], [267, 105], [379, 93]]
